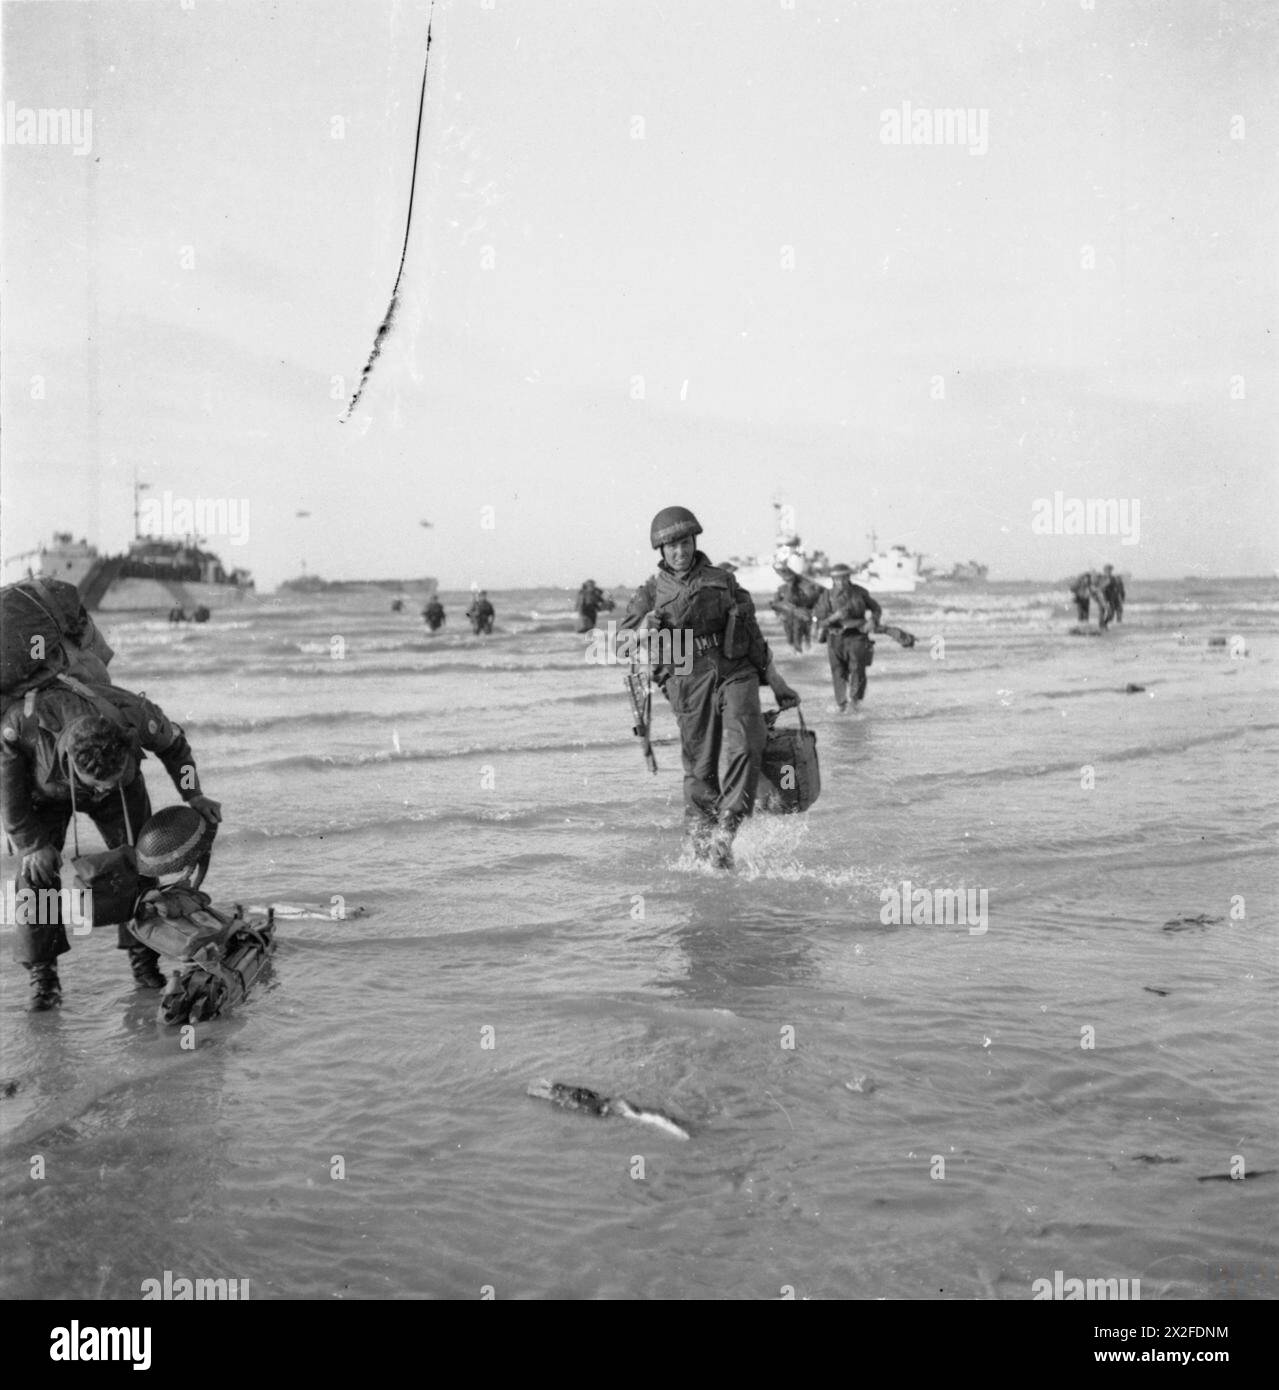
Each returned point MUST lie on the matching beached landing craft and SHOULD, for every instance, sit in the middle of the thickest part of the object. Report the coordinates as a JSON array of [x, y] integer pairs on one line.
[[156, 574]]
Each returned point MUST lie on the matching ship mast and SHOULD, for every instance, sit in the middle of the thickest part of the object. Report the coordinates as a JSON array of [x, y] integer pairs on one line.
[[138, 488]]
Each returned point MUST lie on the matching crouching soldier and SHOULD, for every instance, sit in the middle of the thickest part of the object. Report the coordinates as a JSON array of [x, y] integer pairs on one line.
[[77, 747], [715, 696]]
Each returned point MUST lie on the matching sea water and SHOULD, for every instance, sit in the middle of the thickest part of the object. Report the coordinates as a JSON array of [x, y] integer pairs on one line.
[[480, 884]]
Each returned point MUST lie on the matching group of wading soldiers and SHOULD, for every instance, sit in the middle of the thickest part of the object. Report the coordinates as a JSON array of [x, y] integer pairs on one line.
[[1106, 589]]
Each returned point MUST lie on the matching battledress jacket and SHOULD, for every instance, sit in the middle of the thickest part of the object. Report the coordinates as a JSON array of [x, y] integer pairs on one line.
[[851, 605], [708, 602], [32, 766]]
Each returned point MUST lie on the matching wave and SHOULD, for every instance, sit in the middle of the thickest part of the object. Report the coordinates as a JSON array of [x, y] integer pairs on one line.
[[324, 762], [1148, 750], [408, 823]]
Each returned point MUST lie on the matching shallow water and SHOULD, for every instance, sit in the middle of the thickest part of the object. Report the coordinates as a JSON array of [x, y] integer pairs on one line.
[[526, 912]]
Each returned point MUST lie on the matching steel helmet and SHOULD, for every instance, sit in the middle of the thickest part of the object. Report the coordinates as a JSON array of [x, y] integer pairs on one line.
[[840, 571], [172, 840], [673, 524]]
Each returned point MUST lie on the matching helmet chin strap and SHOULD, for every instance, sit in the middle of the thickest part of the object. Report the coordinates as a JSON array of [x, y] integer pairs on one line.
[[196, 872]]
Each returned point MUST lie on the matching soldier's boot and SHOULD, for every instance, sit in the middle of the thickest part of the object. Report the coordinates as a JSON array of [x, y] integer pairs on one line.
[[721, 848], [46, 989], [698, 840], [145, 964]]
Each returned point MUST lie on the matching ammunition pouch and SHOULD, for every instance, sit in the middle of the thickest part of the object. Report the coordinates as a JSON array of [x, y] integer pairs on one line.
[[110, 878], [736, 640]]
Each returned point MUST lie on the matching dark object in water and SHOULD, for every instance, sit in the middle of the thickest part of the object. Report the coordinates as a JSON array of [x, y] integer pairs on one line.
[[1153, 1158], [201, 615], [1131, 689], [1150, 989], [579, 1098], [1216, 642], [1185, 923], [9, 1088], [1084, 632], [1229, 1177]]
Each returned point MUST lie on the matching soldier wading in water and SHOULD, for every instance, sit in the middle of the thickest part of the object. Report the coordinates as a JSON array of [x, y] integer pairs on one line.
[[716, 700]]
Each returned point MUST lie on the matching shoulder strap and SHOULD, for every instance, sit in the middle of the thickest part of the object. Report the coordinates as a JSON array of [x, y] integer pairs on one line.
[[103, 706]]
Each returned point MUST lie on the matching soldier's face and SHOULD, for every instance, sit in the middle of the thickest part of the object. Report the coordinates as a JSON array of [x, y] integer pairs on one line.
[[679, 554]]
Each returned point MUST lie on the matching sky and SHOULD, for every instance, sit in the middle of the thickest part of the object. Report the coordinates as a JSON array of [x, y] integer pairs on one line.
[[662, 252]]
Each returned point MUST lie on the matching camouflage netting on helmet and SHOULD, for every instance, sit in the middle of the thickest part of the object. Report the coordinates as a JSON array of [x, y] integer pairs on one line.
[[172, 840]]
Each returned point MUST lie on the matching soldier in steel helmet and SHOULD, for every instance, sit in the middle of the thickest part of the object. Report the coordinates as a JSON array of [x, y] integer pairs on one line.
[[481, 613], [715, 691], [73, 739], [846, 614], [590, 599]]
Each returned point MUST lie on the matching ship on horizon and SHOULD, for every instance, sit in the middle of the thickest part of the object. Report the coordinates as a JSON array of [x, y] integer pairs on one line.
[[895, 570]]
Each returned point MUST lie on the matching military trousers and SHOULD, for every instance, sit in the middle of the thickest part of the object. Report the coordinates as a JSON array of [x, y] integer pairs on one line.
[[849, 657], [717, 706], [42, 941]]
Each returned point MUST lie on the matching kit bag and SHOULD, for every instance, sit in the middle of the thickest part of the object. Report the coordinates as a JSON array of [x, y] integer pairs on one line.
[[46, 631], [789, 766]]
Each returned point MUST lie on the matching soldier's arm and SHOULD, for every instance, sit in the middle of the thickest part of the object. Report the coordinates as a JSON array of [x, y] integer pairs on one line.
[[20, 824], [167, 741], [640, 606], [874, 607]]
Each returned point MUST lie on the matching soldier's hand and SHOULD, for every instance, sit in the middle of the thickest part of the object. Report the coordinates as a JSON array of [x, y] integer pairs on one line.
[[211, 810], [786, 697], [40, 867]]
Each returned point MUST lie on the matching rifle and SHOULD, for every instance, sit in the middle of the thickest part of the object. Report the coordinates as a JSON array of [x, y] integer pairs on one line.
[[898, 634], [641, 693]]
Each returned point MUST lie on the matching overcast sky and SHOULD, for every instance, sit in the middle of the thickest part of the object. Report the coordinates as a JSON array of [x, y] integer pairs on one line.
[[661, 253]]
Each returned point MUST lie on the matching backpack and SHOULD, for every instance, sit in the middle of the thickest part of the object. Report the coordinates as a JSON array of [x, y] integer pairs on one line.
[[44, 632]]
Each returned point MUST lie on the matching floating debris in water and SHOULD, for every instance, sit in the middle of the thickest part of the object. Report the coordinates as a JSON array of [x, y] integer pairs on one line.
[[863, 1085], [1231, 1177], [1153, 1158], [1131, 689], [1185, 923], [1162, 993], [579, 1098]]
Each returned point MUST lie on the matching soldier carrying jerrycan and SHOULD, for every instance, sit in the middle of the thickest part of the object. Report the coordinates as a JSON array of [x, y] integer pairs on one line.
[[714, 689]]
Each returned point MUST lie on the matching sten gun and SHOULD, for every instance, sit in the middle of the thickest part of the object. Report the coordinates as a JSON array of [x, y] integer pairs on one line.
[[641, 693]]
